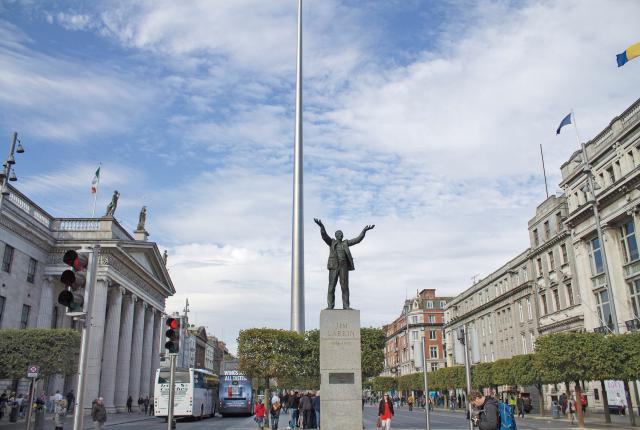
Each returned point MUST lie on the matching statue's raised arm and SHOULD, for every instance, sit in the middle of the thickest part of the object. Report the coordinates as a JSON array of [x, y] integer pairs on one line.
[[323, 231], [361, 236]]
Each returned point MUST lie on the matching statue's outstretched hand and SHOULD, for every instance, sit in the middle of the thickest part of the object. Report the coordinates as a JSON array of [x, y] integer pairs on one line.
[[369, 227], [317, 221]]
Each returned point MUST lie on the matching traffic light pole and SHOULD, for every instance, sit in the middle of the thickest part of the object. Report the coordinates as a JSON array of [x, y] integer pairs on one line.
[[86, 333], [426, 383], [464, 338], [172, 383]]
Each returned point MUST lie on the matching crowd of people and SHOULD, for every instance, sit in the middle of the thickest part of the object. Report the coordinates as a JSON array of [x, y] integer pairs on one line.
[[15, 406], [301, 408]]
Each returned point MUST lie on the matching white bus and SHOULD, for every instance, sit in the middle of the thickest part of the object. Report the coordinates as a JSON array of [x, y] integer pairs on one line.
[[196, 393]]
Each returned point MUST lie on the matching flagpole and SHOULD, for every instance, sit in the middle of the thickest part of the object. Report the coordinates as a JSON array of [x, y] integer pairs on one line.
[[95, 195], [596, 215], [544, 172]]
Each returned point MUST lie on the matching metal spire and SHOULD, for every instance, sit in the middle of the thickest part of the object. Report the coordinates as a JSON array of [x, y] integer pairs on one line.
[[297, 258]]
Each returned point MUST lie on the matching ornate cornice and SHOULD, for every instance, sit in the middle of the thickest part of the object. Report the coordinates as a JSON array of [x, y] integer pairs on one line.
[[25, 233]]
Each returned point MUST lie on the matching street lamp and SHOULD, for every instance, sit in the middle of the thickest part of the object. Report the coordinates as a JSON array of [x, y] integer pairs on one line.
[[464, 339], [8, 173]]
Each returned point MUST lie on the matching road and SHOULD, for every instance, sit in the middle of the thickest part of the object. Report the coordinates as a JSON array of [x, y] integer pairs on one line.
[[403, 420]]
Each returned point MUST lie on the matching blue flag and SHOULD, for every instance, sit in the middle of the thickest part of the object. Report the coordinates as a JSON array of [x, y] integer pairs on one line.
[[565, 121]]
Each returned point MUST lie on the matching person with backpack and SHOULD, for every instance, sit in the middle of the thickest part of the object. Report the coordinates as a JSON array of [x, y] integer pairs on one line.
[[488, 411]]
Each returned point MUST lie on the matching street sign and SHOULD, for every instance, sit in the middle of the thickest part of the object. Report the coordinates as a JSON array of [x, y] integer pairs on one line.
[[32, 371]]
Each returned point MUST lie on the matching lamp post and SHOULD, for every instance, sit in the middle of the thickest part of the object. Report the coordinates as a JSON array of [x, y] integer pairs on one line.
[[8, 174], [464, 339]]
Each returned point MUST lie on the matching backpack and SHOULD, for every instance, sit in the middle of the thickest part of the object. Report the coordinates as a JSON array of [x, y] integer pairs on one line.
[[507, 419]]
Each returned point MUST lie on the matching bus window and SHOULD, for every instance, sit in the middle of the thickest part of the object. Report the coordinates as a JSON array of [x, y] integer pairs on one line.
[[180, 377]]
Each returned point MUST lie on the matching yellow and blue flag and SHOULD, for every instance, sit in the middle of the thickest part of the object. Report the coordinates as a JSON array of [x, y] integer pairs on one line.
[[629, 54], [565, 121]]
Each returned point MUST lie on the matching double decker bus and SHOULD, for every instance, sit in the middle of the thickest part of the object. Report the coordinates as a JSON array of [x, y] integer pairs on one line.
[[196, 393], [236, 394]]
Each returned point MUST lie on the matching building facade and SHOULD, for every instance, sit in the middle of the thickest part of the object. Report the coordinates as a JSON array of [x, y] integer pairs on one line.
[[128, 301], [422, 317]]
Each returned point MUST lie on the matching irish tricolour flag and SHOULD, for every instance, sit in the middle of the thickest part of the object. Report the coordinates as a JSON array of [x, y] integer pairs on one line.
[[95, 182]]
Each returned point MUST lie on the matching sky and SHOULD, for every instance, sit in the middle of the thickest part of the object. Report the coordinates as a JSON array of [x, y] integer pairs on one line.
[[422, 117]]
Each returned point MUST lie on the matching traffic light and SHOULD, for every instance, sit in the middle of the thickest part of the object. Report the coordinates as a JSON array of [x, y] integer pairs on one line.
[[75, 280], [173, 335]]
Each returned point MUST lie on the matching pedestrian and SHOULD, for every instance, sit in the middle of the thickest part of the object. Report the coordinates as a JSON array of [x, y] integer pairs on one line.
[[129, 403], [146, 405], [563, 403], [385, 412], [285, 402], [316, 407], [487, 415], [295, 405], [140, 403], [259, 414], [307, 410], [151, 406], [459, 401], [583, 402], [572, 409], [21, 405], [99, 414], [275, 414], [59, 412], [3, 403], [520, 405], [410, 401], [71, 398]]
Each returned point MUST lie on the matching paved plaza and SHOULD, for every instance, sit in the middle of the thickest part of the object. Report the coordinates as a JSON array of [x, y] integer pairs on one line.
[[403, 420]]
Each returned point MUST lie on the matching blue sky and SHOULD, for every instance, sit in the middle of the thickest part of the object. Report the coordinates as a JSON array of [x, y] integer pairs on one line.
[[422, 117]]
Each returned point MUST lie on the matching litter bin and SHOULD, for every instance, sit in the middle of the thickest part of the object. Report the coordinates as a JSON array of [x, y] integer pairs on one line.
[[555, 410]]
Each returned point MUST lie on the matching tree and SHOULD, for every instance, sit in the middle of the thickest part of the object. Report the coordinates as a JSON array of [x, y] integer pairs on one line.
[[526, 371], [54, 350], [482, 375], [265, 353], [627, 348], [383, 383], [503, 372], [372, 349]]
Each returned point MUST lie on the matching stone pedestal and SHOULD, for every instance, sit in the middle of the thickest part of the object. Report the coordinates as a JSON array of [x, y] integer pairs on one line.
[[340, 370]]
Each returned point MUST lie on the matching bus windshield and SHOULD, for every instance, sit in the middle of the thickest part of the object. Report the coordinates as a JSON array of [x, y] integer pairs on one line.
[[180, 377]]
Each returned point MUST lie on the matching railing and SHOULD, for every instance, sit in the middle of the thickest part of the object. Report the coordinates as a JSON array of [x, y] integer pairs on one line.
[[36, 213], [631, 116], [79, 225]]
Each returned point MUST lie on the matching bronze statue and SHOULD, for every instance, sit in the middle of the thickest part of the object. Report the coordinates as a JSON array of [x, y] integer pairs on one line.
[[111, 208], [142, 219], [340, 263]]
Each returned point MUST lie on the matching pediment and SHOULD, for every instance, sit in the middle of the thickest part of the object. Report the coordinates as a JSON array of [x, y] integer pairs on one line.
[[147, 256]]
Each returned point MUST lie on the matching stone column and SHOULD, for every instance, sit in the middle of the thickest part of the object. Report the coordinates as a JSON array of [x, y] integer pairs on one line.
[[136, 351], [96, 340], [110, 348], [155, 349], [145, 369], [45, 308], [124, 353]]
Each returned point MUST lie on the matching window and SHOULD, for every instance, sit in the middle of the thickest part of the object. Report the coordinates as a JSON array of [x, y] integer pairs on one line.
[[442, 304], [556, 299], [433, 351], [493, 358], [563, 251], [7, 259], [414, 319], [430, 304], [2, 302], [525, 274], [543, 299], [489, 325], [31, 271], [520, 311], [432, 335], [54, 318], [536, 238], [570, 295], [547, 230], [595, 256], [552, 263], [533, 341], [559, 222], [604, 308], [414, 335], [482, 325], [24, 319], [432, 319], [539, 266], [524, 344], [610, 174], [634, 290], [628, 240], [434, 367]]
